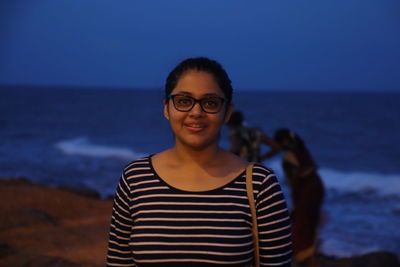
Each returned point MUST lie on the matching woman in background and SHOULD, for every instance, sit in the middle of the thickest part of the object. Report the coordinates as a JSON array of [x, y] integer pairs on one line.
[[187, 205], [307, 193], [246, 142]]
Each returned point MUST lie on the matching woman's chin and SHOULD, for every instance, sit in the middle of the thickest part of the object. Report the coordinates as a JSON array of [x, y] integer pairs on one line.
[[198, 144]]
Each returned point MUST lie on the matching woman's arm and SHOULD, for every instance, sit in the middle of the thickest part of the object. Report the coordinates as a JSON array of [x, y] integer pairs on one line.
[[274, 147], [274, 226], [119, 252]]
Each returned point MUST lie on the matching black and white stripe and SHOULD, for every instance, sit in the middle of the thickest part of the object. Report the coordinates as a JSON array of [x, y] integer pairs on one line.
[[154, 224]]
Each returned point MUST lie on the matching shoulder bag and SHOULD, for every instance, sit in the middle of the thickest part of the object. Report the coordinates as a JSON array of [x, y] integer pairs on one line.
[[250, 196]]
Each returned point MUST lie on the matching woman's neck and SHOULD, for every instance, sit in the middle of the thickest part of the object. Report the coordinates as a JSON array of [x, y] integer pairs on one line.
[[204, 157]]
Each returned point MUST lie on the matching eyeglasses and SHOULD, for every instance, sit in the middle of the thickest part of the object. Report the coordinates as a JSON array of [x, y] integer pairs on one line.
[[210, 104]]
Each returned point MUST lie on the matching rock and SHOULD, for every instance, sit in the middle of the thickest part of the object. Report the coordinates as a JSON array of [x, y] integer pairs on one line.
[[5, 250], [47, 226], [80, 191], [10, 181], [36, 260], [34, 216], [376, 259]]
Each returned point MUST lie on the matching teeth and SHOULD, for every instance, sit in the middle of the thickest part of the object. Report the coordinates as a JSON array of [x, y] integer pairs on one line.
[[195, 125]]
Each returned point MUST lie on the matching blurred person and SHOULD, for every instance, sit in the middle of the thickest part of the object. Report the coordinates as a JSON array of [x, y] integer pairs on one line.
[[307, 192], [187, 205], [246, 142]]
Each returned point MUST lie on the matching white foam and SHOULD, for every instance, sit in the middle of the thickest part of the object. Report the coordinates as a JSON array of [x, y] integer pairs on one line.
[[351, 182], [382, 184], [82, 146]]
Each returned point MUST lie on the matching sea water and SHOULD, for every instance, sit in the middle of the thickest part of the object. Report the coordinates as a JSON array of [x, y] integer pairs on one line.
[[84, 137]]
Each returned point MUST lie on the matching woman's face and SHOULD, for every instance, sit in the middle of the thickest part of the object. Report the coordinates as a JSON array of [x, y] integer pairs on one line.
[[196, 128]]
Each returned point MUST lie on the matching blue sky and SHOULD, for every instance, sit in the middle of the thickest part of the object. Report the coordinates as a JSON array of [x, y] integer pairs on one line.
[[296, 45]]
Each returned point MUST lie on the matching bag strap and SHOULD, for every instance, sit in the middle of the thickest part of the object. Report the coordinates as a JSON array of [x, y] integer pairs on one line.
[[250, 196]]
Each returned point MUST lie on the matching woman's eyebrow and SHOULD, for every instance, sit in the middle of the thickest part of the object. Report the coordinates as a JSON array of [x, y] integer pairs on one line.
[[211, 94], [183, 93]]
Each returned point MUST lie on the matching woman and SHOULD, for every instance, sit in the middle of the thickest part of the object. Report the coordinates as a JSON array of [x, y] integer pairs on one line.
[[307, 195], [246, 142], [187, 206]]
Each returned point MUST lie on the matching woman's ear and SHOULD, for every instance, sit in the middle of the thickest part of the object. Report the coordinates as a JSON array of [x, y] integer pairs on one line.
[[228, 112], [166, 111]]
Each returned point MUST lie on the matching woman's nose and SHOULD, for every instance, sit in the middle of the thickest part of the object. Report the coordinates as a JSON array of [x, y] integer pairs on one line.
[[197, 109]]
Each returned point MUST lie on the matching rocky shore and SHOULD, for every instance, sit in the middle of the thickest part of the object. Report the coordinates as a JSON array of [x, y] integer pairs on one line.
[[45, 226]]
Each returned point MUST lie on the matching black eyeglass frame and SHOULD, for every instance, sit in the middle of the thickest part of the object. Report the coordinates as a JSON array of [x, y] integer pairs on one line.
[[223, 100]]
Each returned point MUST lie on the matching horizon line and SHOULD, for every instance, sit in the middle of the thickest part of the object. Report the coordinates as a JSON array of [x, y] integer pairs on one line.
[[153, 88]]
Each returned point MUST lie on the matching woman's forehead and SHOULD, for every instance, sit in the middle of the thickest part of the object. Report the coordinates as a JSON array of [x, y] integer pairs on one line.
[[189, 93], [199, 83]]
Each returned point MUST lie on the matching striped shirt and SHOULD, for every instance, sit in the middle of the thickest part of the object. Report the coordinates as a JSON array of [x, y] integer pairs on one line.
[[154, 224]]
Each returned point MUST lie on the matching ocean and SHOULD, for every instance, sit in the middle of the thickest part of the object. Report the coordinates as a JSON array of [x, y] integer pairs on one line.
[[84, 138]]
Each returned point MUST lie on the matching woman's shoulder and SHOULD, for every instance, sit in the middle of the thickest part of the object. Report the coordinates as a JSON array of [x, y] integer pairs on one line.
[[141, 163], [262, 168], [262, 172], [265, 180]]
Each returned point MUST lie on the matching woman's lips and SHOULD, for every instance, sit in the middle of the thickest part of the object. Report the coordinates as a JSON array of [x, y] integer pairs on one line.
[[194, 127]]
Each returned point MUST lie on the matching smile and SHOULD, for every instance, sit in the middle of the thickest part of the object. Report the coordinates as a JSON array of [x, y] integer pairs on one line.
[[194, 126]]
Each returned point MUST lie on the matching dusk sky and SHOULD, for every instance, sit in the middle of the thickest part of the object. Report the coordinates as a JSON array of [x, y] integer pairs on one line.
[[296, 45]]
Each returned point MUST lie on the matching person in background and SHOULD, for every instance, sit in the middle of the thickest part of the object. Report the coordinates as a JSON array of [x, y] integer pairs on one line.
[[246, 142], [307, 192], [187, 205]]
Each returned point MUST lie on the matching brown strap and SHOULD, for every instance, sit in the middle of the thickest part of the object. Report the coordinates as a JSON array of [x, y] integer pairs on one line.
[[250, 196]]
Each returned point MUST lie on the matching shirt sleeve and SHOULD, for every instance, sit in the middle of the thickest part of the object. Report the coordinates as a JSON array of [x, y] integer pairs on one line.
[[119, 252], [273, 220]]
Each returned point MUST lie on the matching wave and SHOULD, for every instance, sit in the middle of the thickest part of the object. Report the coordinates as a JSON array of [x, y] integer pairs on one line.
[[354, 181], [381, 184], [83, 147], [359, 182]]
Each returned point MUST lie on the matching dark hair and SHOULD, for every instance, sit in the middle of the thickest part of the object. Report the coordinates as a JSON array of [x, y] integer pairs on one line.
[[236, 119], [285, 134], [200, 64]]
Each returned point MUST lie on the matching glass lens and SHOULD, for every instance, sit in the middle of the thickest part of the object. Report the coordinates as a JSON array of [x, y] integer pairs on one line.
[[183, 102], [211, 104], [208, 104]]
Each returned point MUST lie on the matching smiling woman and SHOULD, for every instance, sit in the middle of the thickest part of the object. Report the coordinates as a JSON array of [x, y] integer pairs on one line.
[[187, 205], [199, 123]]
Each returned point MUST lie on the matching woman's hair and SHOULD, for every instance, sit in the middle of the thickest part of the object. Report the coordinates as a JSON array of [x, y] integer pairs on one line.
[[236, 119], [285, 134], [200, 64]]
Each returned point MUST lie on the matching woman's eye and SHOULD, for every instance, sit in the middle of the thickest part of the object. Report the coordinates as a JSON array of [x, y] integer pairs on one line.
[[211, 103], [184, 101]]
